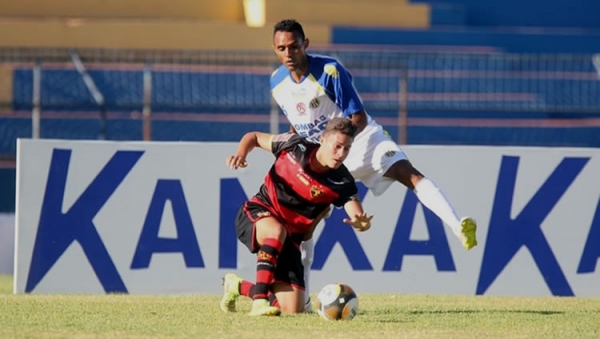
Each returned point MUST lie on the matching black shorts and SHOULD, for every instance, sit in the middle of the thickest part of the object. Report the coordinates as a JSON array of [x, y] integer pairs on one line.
[[289, 269]]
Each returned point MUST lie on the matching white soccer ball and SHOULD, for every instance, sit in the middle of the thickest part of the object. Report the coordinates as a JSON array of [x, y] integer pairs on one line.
[[337, 302]]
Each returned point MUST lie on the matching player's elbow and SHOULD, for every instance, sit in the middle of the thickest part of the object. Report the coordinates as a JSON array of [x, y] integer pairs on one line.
[[360, 120], [250, 139]]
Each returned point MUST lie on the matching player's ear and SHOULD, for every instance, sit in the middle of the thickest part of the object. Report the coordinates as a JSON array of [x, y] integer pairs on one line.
[[306, 43]]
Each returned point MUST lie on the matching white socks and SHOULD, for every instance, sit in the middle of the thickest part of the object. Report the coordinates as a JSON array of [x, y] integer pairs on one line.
[[433, 198], [307, 249]]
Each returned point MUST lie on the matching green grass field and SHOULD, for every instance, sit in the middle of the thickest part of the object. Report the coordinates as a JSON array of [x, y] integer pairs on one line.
[[380, 316]]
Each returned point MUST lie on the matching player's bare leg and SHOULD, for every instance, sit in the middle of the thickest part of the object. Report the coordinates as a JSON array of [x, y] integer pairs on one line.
[[290, 298], [434, 199]]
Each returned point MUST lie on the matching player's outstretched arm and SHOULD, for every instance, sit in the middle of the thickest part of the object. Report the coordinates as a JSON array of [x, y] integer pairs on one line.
[[360, 120], [358, 217], [248, 142]]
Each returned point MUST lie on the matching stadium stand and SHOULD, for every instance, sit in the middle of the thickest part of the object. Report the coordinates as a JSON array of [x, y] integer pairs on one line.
[[507, 39], [382, 13], [190, 90], [555, 14]]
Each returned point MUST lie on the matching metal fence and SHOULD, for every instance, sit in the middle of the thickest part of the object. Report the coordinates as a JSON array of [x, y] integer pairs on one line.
[[397, 86]]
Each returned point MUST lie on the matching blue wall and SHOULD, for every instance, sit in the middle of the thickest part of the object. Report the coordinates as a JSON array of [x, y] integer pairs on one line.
[[529, 13], [522, 26], [506, 39]]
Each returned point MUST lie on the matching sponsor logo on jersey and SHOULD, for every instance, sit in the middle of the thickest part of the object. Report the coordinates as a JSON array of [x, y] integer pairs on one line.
[[301, 108], [315, 192], [299, 92], [314, 103], [390, 153], [290, 158], [302, 179], [305, 178]]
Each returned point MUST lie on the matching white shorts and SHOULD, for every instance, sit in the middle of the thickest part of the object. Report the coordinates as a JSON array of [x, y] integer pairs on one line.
[[373, 152]]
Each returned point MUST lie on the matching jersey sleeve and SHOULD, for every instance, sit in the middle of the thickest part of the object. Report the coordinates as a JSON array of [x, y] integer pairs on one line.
[[350, 192], [339, 86], [284, 141]]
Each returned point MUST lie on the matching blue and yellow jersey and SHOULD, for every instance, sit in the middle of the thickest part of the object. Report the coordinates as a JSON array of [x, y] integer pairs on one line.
[[324, 93]]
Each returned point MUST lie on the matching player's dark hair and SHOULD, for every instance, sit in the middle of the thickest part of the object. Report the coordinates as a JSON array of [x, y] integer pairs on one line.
[[341, 125], [289, 25]]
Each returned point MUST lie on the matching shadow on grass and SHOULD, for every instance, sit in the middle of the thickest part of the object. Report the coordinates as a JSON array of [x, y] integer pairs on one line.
[[387, 316], [485, 311]]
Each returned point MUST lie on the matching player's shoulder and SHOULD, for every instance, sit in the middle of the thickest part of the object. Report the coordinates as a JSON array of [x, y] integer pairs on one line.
[[341, 180], [279, 75], [343, 176], [322, 60], [288, 138], [345, 172], [291, 142], [325, 65]]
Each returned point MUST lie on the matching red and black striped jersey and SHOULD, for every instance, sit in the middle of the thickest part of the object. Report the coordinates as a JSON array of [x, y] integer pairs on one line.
[[297, 194]]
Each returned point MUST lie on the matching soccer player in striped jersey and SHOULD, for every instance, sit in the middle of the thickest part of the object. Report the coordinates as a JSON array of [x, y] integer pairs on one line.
[[313, 89], [305, 180]]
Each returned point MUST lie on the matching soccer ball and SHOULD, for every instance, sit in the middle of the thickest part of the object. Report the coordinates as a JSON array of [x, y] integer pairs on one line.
[[337, 302]]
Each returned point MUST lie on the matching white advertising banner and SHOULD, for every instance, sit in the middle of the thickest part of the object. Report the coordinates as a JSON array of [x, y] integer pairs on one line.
[[158, 218]]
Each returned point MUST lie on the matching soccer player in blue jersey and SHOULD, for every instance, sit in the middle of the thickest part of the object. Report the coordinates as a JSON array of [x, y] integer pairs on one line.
[[313, 89], [304, 181]]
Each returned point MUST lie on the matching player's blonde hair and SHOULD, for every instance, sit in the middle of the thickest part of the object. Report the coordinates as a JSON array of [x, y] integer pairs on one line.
[[341, 125]]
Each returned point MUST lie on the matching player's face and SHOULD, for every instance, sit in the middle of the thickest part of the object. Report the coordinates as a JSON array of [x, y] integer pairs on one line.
[[335, 148], [290, 49]]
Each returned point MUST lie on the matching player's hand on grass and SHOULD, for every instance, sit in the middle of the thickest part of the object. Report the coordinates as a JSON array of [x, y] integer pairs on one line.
[[236, 161], [361, 222]]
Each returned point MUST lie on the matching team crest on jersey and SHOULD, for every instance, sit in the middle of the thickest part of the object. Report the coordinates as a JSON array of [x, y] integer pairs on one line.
[[301, 108], [390, 153], [314, 103], [315, 192]]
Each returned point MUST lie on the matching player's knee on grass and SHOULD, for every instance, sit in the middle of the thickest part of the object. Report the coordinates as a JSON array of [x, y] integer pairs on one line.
[[291, 299]]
